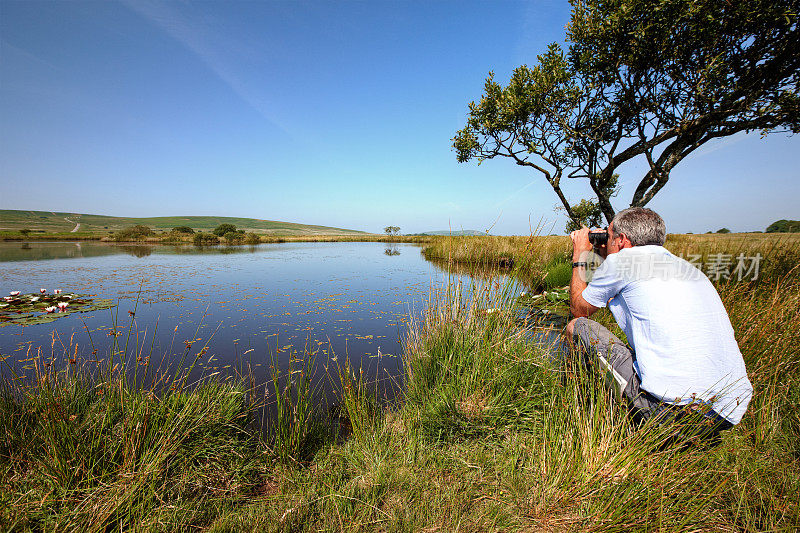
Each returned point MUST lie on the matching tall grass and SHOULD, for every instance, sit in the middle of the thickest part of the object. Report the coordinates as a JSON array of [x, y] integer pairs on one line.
[[491, 433], [81, 455]]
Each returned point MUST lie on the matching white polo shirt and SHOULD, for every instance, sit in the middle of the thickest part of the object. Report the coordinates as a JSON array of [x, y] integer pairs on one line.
[[677, 326]]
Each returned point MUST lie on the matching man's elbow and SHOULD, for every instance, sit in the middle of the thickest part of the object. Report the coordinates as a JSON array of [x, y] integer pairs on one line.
[[579, 307], [578, 311]]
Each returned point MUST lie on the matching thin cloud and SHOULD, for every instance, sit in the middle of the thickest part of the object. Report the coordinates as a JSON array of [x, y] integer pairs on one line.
[[716, 145], [513, 195], [212, 48]]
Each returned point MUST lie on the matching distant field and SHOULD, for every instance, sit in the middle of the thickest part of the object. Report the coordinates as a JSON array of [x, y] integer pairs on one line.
[[60, 222]]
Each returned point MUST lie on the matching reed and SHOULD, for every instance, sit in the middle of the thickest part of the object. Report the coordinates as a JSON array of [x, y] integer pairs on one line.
[[492, 432]]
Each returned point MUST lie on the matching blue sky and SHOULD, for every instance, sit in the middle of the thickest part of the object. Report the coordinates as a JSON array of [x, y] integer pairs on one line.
[[332, 113]]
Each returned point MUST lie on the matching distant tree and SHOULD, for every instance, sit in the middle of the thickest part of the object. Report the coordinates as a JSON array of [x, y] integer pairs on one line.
[[784, 226], [222, 229], [641, 80], [723, 230], [183, 229], [391, 231], [588, 212], [134, 233]]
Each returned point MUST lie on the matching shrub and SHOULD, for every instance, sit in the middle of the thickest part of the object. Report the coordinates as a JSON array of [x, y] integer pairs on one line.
[[134, 233], [222, 229], [234, 237], [202, 239], [252, 238], [183, 229], [723, 230]]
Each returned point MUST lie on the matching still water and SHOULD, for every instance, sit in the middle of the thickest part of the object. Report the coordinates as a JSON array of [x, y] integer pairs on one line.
[[245, 304]]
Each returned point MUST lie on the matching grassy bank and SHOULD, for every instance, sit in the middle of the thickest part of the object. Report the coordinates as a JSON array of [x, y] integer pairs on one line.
[[491, 434], [535, 258], [54, 236]]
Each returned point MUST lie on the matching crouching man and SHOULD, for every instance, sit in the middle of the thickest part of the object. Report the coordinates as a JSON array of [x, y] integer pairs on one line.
[[683, 357]]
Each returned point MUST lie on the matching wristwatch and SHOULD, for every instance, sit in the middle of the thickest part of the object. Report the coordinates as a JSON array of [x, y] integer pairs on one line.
[[579, 264]]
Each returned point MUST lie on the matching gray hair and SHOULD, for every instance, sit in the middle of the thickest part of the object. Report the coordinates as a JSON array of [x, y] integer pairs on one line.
[[642, 226]]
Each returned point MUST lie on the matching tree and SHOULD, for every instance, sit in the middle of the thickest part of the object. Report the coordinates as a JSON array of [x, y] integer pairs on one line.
[[587, 212], [234, 237], [649, 80], [391, 231], [723, 230], [222, 229], [183, 229], [134, 233], [784, 226]]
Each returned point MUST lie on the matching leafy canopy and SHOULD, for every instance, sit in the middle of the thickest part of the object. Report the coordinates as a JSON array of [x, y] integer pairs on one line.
[[649, 80], [222, 229], [784, 226]]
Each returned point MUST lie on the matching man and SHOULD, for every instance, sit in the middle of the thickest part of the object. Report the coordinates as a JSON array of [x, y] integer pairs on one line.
[[682, 348]]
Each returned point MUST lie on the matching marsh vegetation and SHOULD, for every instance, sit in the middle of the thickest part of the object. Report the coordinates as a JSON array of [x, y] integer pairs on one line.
[[488, 432]]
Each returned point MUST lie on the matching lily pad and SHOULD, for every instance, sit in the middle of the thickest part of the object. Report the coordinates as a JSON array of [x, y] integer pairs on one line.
[[32, 309]]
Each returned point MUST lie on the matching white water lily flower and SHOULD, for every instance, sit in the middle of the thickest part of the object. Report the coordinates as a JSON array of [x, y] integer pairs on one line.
[[14, 293], [62, 305], [57, 291], [50, 309], [35, 299], [43, 291]]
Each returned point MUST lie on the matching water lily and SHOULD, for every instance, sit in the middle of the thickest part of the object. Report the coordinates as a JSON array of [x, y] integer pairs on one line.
[[57, 291], [50, 309], [62, 305], [35, 299], [43, 291], [14, 293]]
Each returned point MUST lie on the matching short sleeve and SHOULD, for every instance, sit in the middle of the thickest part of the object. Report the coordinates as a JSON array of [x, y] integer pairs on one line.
[[605, 284]]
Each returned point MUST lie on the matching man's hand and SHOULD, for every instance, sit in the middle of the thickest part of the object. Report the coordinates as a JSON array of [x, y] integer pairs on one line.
[[580, 247], [580, 243]]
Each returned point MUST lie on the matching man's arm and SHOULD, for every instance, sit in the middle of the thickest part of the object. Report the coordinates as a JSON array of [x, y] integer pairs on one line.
[[579, 307]]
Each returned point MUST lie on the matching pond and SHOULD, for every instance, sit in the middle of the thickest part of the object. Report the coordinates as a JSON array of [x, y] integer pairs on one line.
[[236, 311], [247, 305]]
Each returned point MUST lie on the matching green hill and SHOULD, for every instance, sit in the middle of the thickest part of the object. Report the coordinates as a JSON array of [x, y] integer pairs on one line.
[[61, 222]]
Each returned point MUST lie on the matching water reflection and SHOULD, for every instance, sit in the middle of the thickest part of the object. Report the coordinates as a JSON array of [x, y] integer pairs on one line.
[[232, 307], [247, 303], [41, 251], [137, 250]]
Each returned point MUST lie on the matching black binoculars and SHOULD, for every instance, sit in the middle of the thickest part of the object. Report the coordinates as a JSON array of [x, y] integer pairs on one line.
[[598, 238]]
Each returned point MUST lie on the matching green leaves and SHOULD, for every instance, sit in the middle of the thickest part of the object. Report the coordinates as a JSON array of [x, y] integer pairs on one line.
[[647, 79]]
